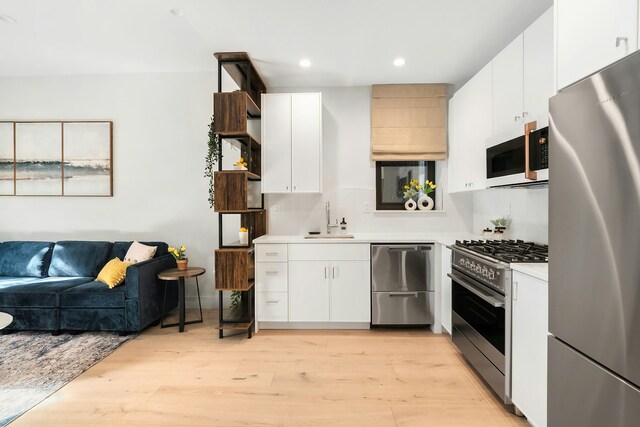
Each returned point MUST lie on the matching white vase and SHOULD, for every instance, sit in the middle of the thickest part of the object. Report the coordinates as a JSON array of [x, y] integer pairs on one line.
[[244, 237], [410, 205], [429, 203], [239, 168]]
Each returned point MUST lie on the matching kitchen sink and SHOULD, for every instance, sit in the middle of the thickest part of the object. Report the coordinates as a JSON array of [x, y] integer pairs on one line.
[[329, 236]]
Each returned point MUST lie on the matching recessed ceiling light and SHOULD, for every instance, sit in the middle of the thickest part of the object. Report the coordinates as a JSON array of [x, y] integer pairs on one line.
[[305, 63], [398, 62], [176, 12], [8, 19]]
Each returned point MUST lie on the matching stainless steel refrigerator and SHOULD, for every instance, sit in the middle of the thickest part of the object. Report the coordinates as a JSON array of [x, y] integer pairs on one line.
[[594, 250]]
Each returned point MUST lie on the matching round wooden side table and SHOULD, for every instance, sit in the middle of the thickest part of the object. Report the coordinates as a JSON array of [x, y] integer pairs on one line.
[[179, 276], [5, 320]]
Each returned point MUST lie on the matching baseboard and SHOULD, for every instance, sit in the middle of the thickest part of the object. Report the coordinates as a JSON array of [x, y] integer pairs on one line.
[[313, 325]]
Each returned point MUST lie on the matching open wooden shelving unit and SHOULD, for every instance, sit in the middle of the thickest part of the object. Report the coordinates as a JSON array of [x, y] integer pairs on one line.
[[235, 262]]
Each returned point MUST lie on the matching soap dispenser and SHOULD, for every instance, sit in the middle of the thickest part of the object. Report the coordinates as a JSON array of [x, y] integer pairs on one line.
[[343, 226]]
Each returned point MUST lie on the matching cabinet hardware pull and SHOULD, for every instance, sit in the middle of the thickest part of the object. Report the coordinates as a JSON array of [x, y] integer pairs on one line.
[[525, 114], [326, 274], [516, 118], [272, 301], [333, 272], [528, 173], [271, 253], [271, 273], [620, 40]]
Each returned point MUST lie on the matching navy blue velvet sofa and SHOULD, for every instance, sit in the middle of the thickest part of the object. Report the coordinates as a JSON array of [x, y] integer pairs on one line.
[[51, 287]]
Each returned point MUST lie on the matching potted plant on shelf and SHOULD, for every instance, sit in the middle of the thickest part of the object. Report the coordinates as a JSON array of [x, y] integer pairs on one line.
[[243, 234], [240, 165], [181, 257], [416, 195]]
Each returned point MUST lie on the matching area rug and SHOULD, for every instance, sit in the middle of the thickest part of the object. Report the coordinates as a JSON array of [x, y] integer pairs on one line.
[[33, 365]]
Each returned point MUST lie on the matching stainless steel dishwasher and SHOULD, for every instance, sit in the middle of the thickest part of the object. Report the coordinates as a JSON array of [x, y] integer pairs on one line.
[[402, 284]]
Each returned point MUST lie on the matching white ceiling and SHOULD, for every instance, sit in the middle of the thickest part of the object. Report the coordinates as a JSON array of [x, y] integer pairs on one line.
[[349, 42]]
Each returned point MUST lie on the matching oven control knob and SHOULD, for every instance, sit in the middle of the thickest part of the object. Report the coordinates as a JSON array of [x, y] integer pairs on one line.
[[479, 269], [485, 272], [492, 274]]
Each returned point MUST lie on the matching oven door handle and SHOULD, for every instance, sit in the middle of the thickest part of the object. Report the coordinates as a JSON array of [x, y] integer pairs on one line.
[[488, 298]]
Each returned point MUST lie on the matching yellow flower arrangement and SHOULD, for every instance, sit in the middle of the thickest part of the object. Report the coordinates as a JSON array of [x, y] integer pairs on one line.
[[243, 229], [178, 253], [240, 162], [415, 188]]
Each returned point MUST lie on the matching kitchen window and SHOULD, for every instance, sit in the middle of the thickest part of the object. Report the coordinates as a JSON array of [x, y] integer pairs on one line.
[[391, 177]]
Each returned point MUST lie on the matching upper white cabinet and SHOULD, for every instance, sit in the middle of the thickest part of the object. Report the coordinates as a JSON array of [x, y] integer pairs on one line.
[[529, 347], [523, 80], [593, 34], [538, 79], [507, 89], [471, 123], [292, 143]]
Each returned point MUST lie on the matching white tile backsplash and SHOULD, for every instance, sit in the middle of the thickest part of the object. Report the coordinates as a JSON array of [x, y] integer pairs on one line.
[[528, 209]]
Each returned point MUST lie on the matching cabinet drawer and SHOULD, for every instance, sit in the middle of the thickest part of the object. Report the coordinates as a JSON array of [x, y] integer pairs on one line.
[[271, 252], [272, 306], [329, 252], [271, 276]]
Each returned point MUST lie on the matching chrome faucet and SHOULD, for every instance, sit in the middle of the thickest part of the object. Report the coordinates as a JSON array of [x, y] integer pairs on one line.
[[329, 225]]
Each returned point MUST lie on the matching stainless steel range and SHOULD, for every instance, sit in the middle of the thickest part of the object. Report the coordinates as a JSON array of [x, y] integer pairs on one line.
[[481, 304]]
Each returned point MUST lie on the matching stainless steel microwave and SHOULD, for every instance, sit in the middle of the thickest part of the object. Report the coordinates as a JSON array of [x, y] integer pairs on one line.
[[523, 160]]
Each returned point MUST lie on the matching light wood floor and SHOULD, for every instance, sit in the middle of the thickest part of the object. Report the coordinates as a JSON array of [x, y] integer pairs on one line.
[[278, 378]]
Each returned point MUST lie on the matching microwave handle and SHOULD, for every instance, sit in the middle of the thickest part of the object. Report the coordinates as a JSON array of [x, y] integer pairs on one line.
[[528, 173]]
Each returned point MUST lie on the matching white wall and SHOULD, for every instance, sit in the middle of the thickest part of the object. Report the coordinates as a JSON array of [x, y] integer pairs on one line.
[[349, 178], [527, 208], [159, 145]]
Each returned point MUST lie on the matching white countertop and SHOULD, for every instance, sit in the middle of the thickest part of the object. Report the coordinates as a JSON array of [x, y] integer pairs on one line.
[[538, 270], [443, 238]]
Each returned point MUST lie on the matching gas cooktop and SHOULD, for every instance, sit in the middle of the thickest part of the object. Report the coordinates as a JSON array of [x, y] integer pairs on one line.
[[508, 250]]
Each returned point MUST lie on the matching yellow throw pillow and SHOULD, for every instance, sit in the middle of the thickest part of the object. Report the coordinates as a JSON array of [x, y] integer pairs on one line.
[[113, 273]]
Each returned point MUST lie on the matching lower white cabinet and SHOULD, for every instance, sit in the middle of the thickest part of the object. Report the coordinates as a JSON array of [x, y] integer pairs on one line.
[[329, 291], [529, 347], [313, 283], [308, 291]]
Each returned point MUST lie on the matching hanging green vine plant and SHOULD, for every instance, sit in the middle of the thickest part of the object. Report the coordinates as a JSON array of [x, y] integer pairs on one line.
[[214, 155]]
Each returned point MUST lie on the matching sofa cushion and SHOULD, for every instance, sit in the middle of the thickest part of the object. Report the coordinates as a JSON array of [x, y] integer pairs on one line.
[[112, 274], [24, 259], [119, 249], [78, 258], [35, 292], [92, 295]]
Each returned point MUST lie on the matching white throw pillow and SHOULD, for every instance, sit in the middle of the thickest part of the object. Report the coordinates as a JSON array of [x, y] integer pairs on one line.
[[138, 252]]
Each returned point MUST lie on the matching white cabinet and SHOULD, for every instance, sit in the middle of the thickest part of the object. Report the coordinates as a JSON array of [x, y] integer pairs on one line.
[[309, 291], [471, 125], [271, 283], [538, 79], [507, 89], [306, 142], [350, 291], [329, 291], [593, 34], [292, 143], [446, 288], [529, 347], [276, 143]]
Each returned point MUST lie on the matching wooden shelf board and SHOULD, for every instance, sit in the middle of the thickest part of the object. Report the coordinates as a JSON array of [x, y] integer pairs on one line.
[[236, 326], [250, 175], [249, 285], [256, 210], [239, 137], [253, 111], [237, 73]]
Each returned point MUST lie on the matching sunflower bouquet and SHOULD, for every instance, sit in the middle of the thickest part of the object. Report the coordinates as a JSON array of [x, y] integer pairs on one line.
[[415, 188]]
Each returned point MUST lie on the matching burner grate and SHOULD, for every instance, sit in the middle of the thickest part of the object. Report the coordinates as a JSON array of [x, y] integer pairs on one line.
[[508, 250]]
